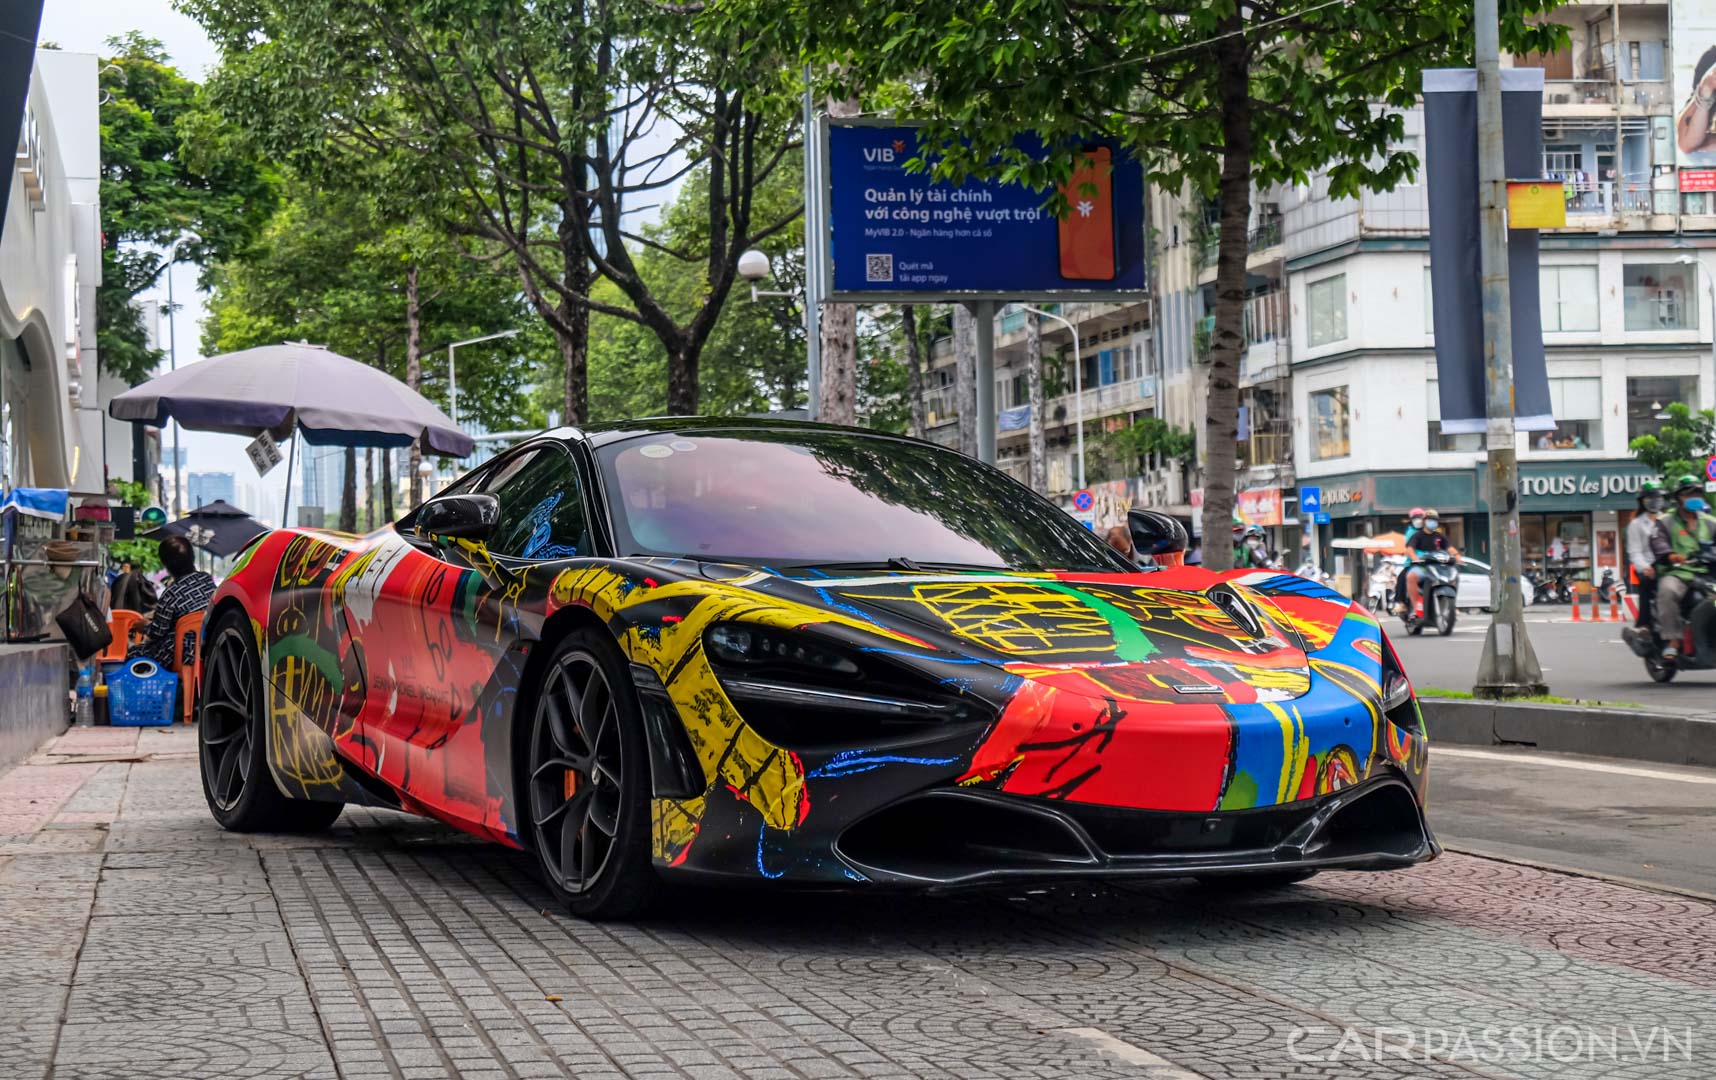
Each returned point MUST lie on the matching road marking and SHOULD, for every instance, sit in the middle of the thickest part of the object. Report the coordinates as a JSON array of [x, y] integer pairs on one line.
[[1157, 1068], [1584, 766]]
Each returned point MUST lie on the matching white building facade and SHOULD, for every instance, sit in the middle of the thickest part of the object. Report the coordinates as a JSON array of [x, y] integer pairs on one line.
[[51, 426]]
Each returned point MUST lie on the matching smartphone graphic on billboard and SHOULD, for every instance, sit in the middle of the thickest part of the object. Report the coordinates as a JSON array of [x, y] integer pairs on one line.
[[1087, 242]]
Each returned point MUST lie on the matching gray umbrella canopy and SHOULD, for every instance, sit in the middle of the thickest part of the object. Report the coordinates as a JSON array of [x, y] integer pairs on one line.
[[331, 400]]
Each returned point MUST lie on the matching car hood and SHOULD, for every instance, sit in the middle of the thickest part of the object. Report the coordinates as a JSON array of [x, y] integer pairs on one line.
[[1182, 636]]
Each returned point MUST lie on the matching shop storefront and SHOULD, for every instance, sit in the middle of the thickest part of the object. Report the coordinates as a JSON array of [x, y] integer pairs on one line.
[[1571, 513]]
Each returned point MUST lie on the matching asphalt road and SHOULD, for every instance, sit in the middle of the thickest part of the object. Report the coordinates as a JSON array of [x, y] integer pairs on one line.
[[1626, 820], [138, 941], [1582, 660]]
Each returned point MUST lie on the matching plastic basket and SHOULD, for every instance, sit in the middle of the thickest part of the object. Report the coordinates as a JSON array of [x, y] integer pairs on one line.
[[141, 694]]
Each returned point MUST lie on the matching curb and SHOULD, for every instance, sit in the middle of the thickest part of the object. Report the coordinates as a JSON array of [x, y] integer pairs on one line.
[[1666, 738]]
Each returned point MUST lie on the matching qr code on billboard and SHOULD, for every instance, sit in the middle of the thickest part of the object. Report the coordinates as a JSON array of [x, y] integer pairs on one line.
[[878, 268]]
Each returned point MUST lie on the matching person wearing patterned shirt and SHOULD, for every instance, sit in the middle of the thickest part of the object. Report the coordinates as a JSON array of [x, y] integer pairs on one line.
[[189, 592]]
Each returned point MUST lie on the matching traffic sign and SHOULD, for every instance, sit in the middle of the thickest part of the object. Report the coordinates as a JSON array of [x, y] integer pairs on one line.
[[153, 518], [1310, 500], [1710, 468], [1083, 500], [1320, 518]]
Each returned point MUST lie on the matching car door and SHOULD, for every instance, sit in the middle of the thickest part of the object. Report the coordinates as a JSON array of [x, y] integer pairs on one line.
[[1474, 589], [447, 636]]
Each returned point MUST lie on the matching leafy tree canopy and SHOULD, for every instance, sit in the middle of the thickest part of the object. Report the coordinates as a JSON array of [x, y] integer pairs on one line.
[[1685, 443], [174, 179]]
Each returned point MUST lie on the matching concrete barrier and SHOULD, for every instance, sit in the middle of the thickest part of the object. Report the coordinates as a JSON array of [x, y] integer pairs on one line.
[[1669, 738], [32, 698]]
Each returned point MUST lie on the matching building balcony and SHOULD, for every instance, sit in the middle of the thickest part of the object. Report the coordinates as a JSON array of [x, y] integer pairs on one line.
[[1100, 401]]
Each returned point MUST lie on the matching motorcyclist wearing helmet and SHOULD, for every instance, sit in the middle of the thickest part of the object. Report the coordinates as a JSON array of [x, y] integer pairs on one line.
[[1257, 553], [1690, 530], [1414, 523], [1428, 539], [1647, 545]]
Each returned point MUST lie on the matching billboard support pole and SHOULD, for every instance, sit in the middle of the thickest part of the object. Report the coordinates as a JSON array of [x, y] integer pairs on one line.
[[1508, 666], [815, 219], [983, 311]]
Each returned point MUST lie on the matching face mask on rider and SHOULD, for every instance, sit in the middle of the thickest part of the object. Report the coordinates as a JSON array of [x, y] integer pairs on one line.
[[1417, 523], [1653, 504], [1696, 505], [1431, 525]]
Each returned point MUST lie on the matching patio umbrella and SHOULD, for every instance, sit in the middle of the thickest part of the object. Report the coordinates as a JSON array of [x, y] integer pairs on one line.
[[219, 528], [329, 399]]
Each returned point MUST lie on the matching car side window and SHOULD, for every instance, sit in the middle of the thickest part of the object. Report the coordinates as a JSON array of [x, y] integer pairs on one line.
[[541, 508]]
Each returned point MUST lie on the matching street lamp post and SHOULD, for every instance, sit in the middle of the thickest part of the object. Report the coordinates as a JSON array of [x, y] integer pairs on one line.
[[453, 371], [1078, 383]]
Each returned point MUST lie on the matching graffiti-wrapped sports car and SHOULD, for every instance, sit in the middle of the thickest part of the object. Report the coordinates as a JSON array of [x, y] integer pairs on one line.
[[799, 653]]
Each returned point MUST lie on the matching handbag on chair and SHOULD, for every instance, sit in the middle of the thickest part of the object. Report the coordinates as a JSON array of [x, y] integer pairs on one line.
[[84, 627]]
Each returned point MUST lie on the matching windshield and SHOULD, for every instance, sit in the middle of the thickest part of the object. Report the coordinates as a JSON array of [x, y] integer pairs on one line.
[[824, 498]]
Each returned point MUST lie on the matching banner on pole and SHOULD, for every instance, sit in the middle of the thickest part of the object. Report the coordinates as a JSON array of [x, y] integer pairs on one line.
[[1456, 284]]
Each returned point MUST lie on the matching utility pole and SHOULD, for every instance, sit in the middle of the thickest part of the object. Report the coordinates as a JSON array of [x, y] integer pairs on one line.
[[1508, 667], [173, 365]]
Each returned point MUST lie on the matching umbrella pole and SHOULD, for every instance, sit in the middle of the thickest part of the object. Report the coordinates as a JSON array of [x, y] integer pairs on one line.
[[291, 456]]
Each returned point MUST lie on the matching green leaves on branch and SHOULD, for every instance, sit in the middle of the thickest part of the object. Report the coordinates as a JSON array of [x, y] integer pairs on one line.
[[1685, 443]]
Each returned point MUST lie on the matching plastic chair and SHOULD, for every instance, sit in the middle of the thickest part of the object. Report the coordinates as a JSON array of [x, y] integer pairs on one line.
[[187, 632], [124, 624]]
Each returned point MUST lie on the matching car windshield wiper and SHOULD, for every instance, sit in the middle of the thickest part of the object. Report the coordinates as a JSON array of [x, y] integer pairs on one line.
[[893, 562]]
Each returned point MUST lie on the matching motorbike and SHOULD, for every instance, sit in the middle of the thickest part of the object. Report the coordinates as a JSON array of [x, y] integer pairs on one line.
[[1440, 585], [1698, 648], [1607, 586], [1549, 587]]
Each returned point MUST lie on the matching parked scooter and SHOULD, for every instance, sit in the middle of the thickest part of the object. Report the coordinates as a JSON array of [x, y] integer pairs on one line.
[[1440, 586], [1698, 649]]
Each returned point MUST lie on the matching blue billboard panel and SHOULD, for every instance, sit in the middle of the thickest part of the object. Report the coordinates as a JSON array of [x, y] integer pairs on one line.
[[898, 232]]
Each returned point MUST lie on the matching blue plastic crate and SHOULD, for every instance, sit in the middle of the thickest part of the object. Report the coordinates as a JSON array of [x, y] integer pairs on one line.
[[141, 694]]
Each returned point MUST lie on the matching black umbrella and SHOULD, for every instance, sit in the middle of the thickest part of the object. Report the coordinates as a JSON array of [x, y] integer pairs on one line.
[[219, 528]]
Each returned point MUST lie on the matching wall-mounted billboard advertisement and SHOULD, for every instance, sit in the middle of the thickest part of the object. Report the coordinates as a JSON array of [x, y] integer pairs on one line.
[[1694, 82]]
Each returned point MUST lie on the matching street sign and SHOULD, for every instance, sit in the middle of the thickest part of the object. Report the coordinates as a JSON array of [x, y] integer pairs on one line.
[[1536, 204], [153, 518], [1083, 500], [264, 453], [1310, 500], [895, 234], [1320, 518], [1710, 468]]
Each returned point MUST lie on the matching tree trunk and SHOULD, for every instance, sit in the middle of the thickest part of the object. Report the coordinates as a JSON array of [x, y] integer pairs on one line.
[[965, 377], [348, 493], [575, 344], [682, 377], [387, 484], [914, 369], [413, 374], [369, 489], [837, 397], [1034, 386], [1221, 420]]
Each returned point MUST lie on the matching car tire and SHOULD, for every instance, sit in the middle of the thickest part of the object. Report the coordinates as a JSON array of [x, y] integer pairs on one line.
[[1253, 883], [232, 740], [584, 780]]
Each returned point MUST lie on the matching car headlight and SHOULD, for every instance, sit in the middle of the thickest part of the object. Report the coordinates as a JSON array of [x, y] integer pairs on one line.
[[759, 647], [1396, 691], [801, 692]]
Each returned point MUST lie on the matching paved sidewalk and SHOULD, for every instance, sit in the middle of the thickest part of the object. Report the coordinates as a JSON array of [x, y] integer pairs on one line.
[[138, 941]]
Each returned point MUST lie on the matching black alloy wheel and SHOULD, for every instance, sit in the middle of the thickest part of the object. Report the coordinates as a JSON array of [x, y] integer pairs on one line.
[[585, 787], [1444, 614], [231, 740]]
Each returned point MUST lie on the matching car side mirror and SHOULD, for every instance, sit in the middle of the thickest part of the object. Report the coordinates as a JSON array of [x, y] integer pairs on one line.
[[1155, 533], [469, 517]]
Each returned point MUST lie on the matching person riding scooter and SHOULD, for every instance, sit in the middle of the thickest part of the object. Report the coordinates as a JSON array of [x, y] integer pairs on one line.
[[1429, 538], [1414, 522], [1691, 530], [1647, 545]]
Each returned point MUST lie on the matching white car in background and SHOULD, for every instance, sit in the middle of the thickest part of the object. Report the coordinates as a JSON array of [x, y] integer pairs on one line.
[[1474, 589]]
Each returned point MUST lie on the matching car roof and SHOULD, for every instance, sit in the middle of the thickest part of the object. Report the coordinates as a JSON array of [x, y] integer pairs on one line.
[[619, 430]]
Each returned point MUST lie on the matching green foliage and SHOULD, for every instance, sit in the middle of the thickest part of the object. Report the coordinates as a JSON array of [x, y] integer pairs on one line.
[[330, 268], [1126, 452], [143, 555], [173, 179], [1686, 442]]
